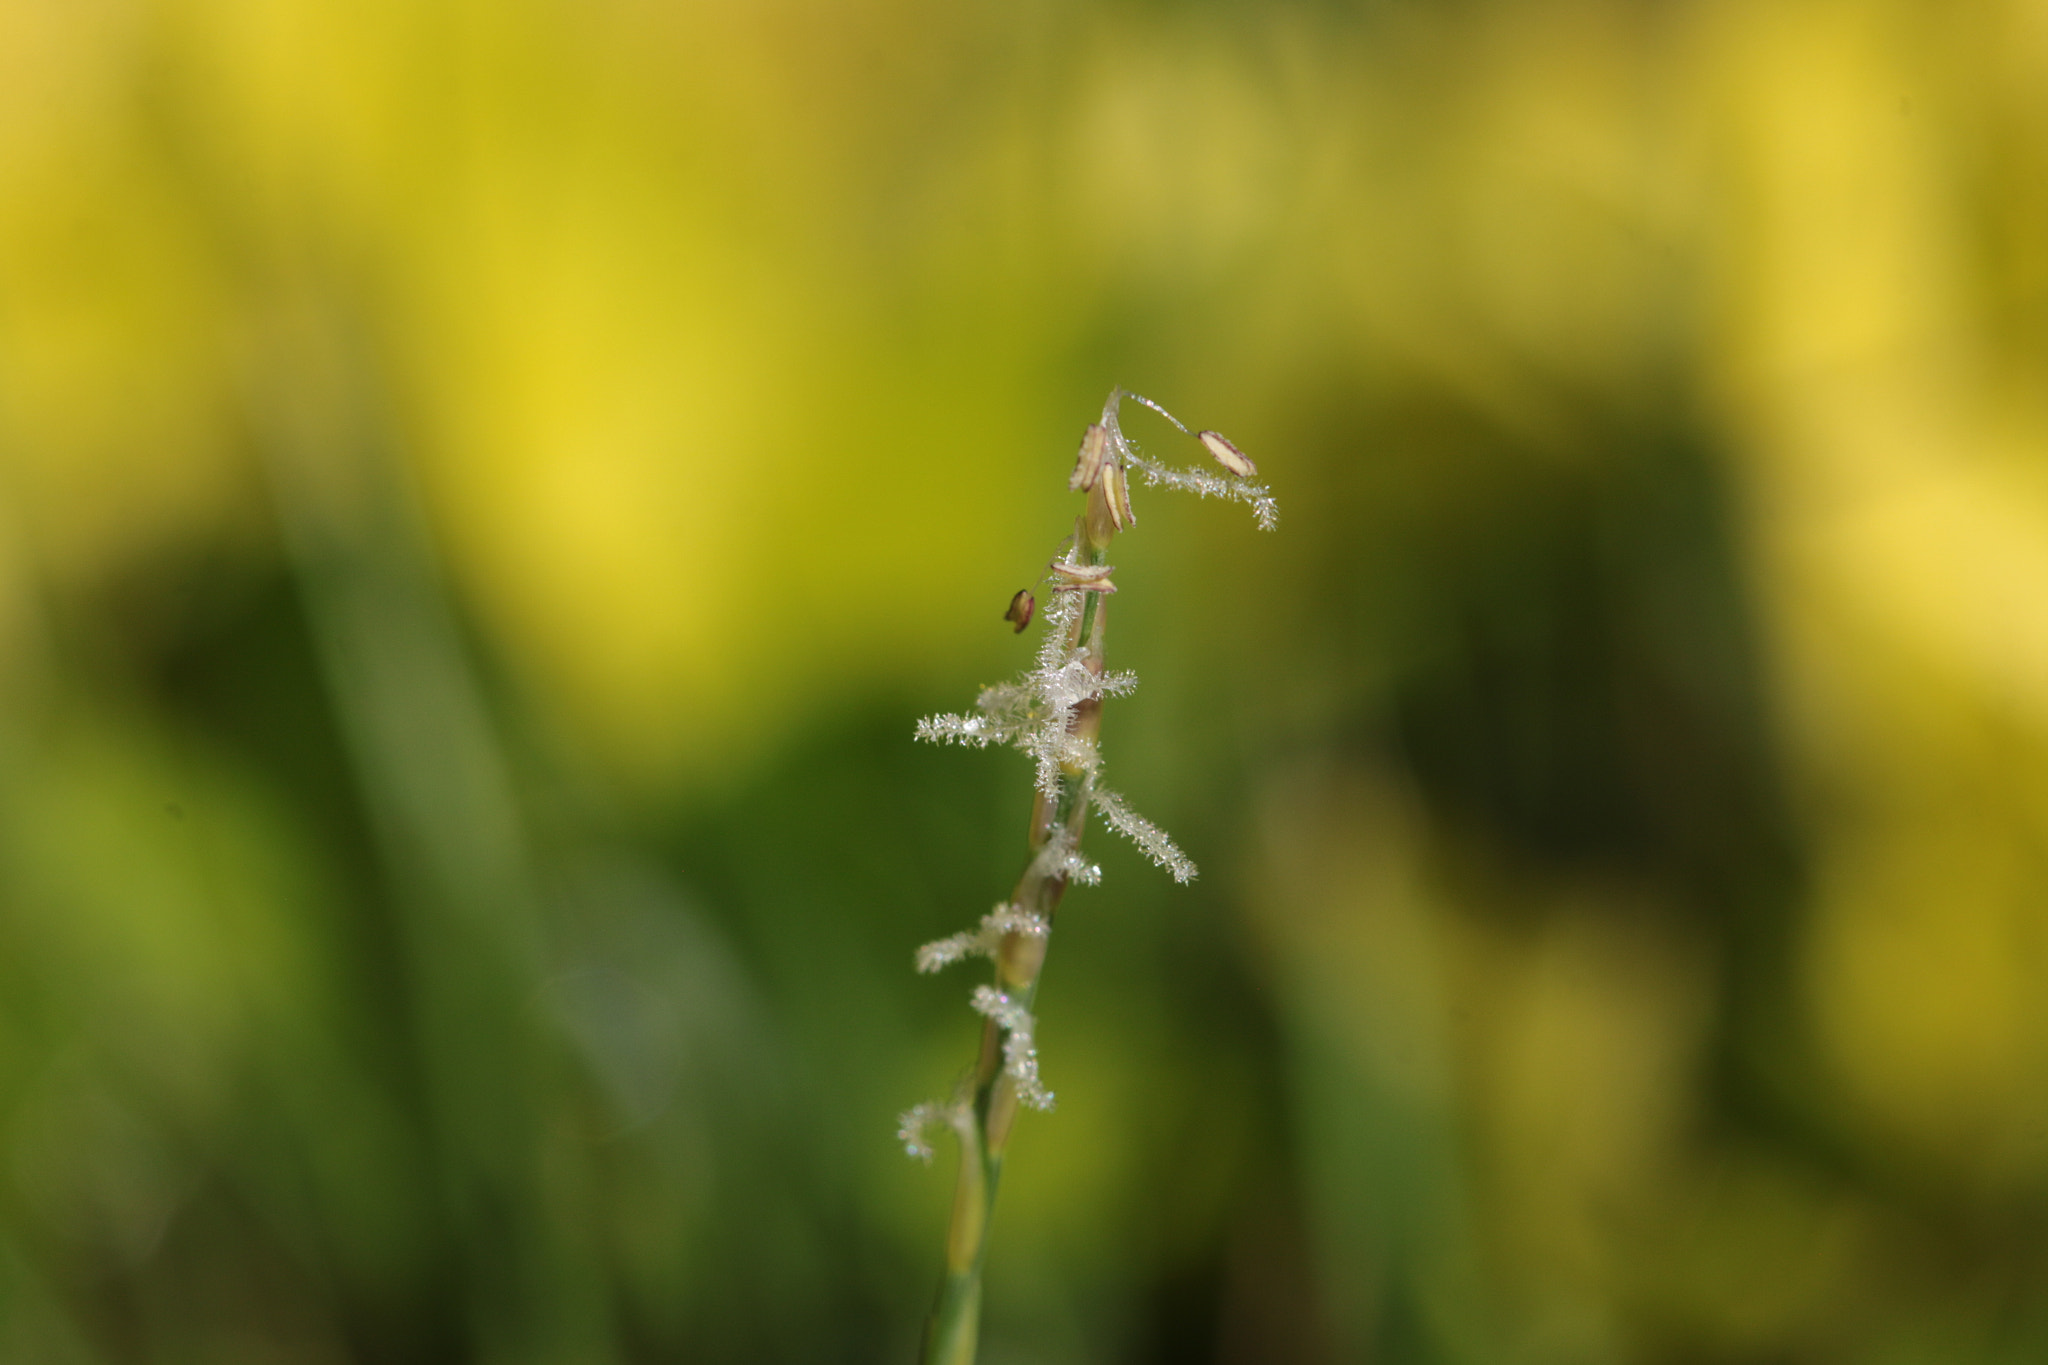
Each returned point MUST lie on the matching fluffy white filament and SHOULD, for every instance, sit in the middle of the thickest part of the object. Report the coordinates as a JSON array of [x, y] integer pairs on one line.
[[1200, 482], [1146, 835], [1020, 1052], [983, 940], [914, 1126]]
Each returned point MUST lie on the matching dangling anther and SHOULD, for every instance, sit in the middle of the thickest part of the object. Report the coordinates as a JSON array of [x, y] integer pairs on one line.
[[1021, 606], [1088, 466], [1117, 487], [1083, 577], [1227, 455]]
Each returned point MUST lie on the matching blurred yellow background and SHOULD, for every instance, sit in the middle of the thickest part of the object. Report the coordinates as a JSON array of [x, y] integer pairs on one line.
[[486, 488]]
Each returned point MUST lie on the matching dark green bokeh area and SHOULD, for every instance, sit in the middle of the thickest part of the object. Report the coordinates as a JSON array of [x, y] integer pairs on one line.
[[487, 491]]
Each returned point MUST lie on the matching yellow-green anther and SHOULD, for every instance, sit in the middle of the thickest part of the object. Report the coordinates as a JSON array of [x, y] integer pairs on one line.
[[1118, 488]]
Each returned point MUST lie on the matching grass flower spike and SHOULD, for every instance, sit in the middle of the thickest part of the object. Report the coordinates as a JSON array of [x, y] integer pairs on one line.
[[1052, 714]]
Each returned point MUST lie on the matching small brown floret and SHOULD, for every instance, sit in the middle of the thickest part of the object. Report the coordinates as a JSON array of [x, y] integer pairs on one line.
[[1021, 607]]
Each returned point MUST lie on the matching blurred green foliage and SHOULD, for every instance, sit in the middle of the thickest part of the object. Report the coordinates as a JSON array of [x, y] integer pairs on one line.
[[486, 489]]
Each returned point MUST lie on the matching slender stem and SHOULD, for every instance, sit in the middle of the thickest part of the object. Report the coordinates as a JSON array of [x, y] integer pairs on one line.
[[953, 1332]]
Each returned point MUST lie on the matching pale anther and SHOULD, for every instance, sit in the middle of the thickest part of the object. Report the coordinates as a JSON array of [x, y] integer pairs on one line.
[[1227, 454], [1088, 466], [1118, 487]]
